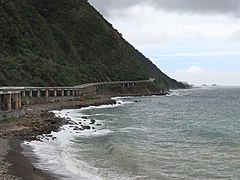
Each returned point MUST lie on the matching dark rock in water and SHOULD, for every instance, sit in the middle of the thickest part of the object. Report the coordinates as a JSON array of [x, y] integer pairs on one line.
[[77, 128], [93, 127], [54, 121], [86, 127], [80, 123], [98, 124], [92, 121], [84, 117], [135, 101], [72, 123], [54, 138], [49, 135], [47, 115]]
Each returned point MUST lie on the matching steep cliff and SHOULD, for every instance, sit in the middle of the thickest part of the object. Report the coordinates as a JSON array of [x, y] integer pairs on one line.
[[66, 42]]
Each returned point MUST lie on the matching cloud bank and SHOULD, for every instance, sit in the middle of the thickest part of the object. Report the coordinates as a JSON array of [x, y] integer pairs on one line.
[[231, 7], [198, 75], [187, 34]]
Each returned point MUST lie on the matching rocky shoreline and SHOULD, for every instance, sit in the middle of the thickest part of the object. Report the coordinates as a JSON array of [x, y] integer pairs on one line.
[[37, 121]]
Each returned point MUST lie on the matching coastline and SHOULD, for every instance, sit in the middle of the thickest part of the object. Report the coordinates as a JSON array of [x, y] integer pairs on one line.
[[38, 120]]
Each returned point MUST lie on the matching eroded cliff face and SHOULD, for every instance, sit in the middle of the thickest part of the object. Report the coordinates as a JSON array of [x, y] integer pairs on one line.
[[64, 43]]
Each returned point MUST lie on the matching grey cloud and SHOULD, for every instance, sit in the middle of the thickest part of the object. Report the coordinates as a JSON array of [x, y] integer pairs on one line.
[[230, 7], [106, 6], [235, 36]]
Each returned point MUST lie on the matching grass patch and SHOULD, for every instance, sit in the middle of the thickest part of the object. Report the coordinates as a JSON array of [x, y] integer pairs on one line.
[[90, 97], [8, 120]]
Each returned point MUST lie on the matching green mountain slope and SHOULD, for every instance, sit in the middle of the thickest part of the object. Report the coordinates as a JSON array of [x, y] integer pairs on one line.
[[64, 43]]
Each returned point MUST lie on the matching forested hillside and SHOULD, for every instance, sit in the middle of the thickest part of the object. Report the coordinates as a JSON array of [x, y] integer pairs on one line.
[[64, 43]]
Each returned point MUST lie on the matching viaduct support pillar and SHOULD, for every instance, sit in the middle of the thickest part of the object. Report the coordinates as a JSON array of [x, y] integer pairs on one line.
[[15, 99], [55, 93], [9, 102], [0, 102], [39, 93], [30, 93], [46, 93], [23, 93], [19, 100]]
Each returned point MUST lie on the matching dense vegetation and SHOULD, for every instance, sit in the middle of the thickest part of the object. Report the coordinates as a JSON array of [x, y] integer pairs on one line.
[[63, 43]]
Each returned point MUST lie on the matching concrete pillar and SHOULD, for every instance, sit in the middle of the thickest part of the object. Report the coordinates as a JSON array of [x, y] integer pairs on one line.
[[23, 93], [46, 93], [55, 93], [3, 102], [80, 92], [9, 102], [68, 92], [38, 93], [73, 92], [62, 92], [19, 101], [30, 93], [0, 102], [15, 99]]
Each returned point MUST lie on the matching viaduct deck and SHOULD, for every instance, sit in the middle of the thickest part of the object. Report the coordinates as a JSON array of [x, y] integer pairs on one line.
[[10, 97]]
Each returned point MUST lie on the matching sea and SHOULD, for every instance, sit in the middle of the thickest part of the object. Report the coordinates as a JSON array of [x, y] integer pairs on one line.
[[187, 134]]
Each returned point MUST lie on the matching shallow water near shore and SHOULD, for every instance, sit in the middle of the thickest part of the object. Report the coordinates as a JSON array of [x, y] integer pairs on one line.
[[189, 134]]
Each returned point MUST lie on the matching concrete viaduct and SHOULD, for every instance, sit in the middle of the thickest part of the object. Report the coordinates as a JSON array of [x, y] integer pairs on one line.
[[10, 97]]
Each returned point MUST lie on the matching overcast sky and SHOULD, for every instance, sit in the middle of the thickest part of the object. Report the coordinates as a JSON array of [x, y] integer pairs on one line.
[[197, 41]]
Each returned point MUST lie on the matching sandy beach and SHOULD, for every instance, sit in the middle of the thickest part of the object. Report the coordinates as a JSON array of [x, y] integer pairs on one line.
[[38, 120]]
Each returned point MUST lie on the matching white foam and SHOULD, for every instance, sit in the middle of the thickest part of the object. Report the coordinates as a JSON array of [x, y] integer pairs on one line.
[[118, 103], [101, 132], [173, 94], [124, 97], [104, 114], [57, 156]]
